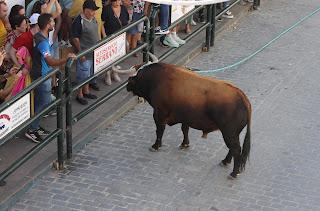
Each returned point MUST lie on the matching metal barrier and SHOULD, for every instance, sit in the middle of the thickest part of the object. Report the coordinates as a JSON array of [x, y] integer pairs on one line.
[[58, 133], [70, 120]]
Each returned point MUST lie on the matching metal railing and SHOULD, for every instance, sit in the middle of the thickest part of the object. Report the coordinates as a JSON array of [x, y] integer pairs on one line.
[[57, 133]]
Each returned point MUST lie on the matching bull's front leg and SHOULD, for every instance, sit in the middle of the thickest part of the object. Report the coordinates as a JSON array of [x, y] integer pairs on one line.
[[160, 124], [185, 131]]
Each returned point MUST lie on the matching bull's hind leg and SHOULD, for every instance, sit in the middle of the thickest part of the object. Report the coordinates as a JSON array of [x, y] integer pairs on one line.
[[227, 160], [233, 144], [185, 131]]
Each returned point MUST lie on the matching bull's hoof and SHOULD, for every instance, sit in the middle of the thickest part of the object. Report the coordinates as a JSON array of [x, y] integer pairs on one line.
[[154, 148], [224, 163], [233, 176], [184, 146]]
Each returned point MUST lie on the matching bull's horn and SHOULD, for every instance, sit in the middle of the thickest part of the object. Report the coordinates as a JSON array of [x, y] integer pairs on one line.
[[153, 57], [131, 70]]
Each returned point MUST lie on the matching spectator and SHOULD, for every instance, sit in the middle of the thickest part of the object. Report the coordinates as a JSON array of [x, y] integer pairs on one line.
[[85, 35], [42, 65], [3, 22], [163, 20], [74, 11], [16, 10], [25, 39], [6, 81], [65, 28], [134, 34], [114, 17], [19, 25]]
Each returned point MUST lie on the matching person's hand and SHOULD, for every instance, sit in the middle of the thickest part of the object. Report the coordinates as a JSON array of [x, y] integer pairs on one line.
[[83, 59], [25, 71], [13, 71], [2, 56], [71, 56]]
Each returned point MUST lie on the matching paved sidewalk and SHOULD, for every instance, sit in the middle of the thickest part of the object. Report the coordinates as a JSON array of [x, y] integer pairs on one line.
[[83, 131], [116, 171]]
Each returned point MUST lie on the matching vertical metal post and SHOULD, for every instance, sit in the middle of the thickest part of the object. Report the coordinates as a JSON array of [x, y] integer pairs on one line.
[[213, 24], [146, 40], [68, 109], [60, 121], [256, 4], [208, 29], [154, 12]]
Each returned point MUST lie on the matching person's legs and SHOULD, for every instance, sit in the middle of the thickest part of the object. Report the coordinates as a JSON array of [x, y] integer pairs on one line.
[[83, 71], [164, 16]]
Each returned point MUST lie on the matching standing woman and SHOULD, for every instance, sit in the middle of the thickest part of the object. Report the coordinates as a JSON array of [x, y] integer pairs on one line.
[[114, 17]]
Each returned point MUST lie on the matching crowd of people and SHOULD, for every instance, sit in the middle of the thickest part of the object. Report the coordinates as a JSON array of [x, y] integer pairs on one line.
[[30, 39]]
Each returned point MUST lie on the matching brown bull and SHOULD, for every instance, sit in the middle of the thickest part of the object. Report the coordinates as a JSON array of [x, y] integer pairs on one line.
[[178, 95]]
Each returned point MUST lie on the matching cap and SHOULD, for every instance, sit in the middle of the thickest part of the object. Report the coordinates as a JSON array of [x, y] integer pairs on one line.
[[90, 4], [34, 18]]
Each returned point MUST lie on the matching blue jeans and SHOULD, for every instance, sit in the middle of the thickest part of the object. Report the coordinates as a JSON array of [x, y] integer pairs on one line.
[[42, 98], [164, 16], [226, 4]]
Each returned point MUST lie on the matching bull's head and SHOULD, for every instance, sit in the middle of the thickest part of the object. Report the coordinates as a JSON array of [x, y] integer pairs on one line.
[[132, 71]]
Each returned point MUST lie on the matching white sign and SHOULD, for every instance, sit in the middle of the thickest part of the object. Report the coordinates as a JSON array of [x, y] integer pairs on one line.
[[186, 2], [15, 115], [109, 52], [177, 11]]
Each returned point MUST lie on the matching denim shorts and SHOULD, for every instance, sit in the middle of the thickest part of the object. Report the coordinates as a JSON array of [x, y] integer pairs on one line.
[[66, 4], [83, 69], [138, 28]]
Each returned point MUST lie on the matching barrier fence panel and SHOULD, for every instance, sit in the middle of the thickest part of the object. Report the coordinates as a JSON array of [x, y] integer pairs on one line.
[[16, 116], [70, 119]]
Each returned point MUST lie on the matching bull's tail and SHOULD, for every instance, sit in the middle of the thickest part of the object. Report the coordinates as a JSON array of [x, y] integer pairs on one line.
[[246, 144]]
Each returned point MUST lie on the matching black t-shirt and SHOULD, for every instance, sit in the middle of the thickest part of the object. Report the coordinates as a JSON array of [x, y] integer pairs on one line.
[[111, 22]]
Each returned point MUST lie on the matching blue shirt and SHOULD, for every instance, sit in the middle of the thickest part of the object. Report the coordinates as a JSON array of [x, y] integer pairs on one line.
[[41, 50]]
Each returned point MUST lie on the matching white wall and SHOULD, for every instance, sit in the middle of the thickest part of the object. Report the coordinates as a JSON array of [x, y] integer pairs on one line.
[[14, 2]]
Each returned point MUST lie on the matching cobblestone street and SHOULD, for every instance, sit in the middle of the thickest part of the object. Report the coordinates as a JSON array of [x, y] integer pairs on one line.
[[117, 172]]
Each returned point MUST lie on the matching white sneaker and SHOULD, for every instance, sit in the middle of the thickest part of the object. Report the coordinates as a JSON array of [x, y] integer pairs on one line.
[[169, 41], [228, 15], [178, 39]]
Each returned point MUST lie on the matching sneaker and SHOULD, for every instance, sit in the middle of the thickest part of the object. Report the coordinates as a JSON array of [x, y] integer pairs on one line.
[[51, 113], [219, 19], [159, 31], [169, 41], [228, 15], [94, 87], [178, 39], [90, 96], [193, 23], [81, 100], [43, 132], [33, 136]]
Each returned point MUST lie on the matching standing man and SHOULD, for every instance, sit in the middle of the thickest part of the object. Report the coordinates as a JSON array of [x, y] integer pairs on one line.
[[42, 65], [84, 35]]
